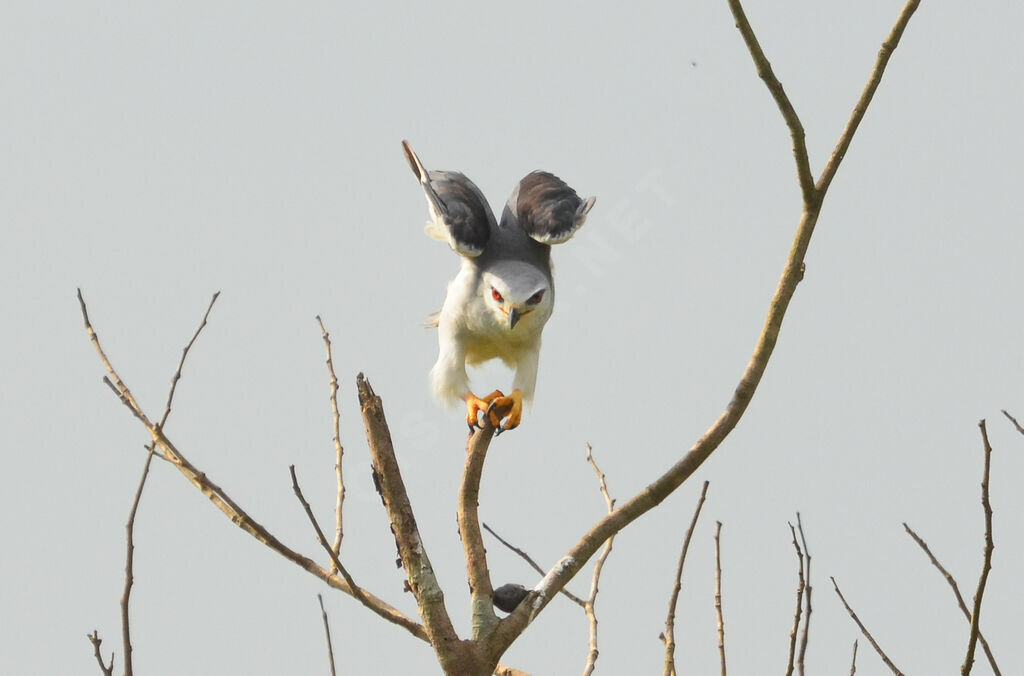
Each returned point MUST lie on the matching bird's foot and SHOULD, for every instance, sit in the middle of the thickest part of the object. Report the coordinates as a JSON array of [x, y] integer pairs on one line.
[[508, 408], [475, 406]]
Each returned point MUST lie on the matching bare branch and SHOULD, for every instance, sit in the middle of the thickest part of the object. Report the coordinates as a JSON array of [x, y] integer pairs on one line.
[[339, 451], [718, 595], [888, 47], [129, 572], [94, 637], [567, 567], [669, 637], [986, 566], [533, 564], [241, 518], [1014, 421], [223, 501], [181, 362], [336, 565], [593, 652], [801, 583], [956, 592], [609, 502], [437, 626], [112, 380], [327, 631], [481, 592], [808, 589], [388, 478], [853, 662], [796, 129], [867, 634]]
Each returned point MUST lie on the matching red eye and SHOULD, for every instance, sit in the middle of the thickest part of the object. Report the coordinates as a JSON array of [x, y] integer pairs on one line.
[[495, 295], [535, 298]]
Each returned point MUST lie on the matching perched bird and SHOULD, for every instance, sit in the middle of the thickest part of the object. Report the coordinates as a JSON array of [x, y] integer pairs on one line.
[[499, 301]]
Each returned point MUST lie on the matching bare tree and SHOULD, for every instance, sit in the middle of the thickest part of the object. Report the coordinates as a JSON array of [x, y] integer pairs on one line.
[[480, 653]]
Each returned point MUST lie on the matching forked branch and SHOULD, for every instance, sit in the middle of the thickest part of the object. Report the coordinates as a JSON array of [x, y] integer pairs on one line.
[[225, 503], [493, 637], [556, 578], [94, 638]]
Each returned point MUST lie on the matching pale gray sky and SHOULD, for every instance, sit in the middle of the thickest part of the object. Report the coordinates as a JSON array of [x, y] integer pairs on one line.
[[154, 155]]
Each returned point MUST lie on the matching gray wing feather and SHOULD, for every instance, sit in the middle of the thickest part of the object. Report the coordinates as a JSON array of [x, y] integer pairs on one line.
[[456, 205], [549, 210]]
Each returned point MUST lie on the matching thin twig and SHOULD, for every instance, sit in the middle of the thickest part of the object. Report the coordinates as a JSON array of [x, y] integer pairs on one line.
[[808, 589], [533, 564], [593, 652], [181, 362], [357, 591], [864, 630], [609, 502], [888, 47], [327, 631], [796, 129], [853, 662], [797, 614], [669, 637], [986, 566], [1014, 421], [112, 380], [94, 637], [339, 451], [129, 570], [718, 594], [956, 593]]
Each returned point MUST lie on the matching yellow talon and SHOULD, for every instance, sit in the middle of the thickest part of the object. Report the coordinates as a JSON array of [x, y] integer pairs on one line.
[[509, 408], [476, 405]]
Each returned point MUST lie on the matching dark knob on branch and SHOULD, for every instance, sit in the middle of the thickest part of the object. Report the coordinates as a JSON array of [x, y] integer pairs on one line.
[[508, 596]]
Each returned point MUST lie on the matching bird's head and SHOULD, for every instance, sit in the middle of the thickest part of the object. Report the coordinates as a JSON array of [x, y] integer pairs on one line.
[[517, 292]]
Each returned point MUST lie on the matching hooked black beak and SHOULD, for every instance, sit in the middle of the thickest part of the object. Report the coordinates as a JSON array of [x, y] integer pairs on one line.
[[513, 318]]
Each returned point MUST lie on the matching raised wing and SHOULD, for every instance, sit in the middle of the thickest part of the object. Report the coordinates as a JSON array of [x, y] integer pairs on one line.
[[459, 213], [548, 209]]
